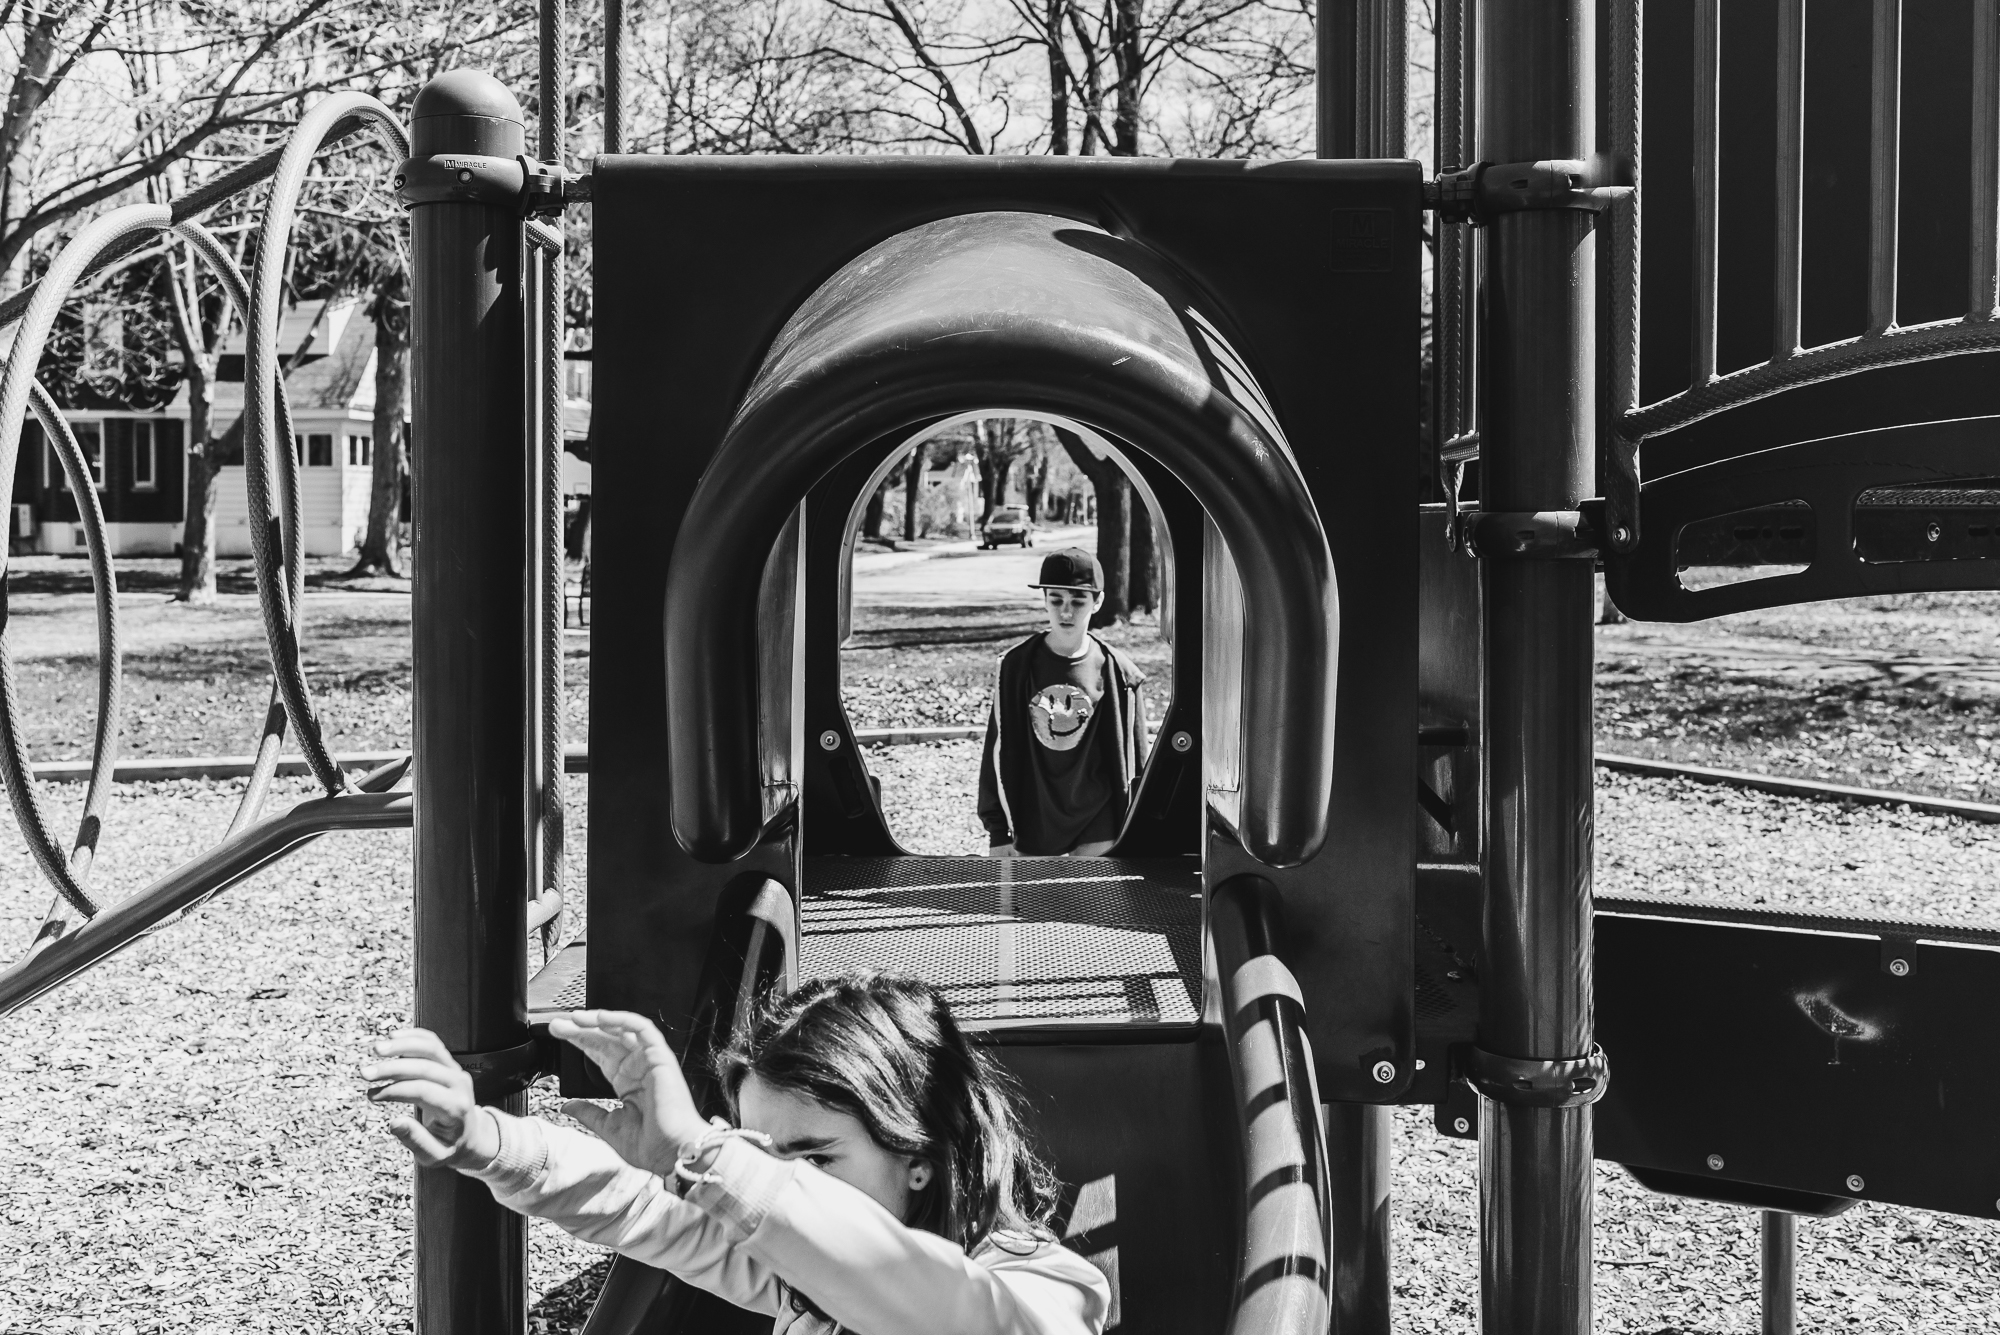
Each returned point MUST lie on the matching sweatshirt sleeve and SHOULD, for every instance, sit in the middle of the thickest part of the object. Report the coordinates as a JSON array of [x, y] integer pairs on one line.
[[992, 812], [869, 1272], [579, 1183]]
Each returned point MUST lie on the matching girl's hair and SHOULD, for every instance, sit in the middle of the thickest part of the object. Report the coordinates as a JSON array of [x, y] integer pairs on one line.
[[885, 1049]]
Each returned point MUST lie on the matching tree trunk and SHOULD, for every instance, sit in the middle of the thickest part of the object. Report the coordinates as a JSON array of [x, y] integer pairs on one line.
[[1128, 59], [913, 488], [871, 518], [1036, 484], [204, 475], [992, 477], [380, 548], [1058, 79], [1114, 512], [1143, 584]]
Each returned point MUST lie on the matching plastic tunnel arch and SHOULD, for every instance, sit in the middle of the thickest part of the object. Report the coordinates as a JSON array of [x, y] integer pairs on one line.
[[1017, 311]]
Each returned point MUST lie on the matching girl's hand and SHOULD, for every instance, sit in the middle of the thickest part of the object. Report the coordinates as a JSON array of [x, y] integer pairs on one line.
[[413, 1067], [658, 1118]]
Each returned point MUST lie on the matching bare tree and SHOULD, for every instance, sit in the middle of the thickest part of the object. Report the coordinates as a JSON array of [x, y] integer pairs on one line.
[[913, 488], [381, 547], [1114, 514]]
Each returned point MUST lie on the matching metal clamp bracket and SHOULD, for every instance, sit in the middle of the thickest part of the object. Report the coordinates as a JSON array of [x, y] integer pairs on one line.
[[1478, 194], [1536, 1084], [1535, 535], [504, 1071], [536, 189]]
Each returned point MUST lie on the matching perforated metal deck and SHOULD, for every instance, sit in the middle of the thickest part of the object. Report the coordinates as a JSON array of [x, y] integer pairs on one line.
[[1017, 941], [1011, 942]]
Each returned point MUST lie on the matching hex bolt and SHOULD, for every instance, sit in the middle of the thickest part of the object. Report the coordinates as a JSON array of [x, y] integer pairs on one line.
[[1463, 1125], [1854, 1182], [1182, 742], [1901, 968], [1620, 535], [1715, 1163], [829, 740], [465, 173], [1384, 1072]]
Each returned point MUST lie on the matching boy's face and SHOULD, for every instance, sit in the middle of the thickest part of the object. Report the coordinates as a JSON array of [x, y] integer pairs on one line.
[[1070, 609]]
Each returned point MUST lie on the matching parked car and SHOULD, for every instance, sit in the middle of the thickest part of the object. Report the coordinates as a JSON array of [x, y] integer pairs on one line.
[[1007, 523]]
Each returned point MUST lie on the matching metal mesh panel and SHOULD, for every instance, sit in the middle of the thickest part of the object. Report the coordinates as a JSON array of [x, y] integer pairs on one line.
[[1018, 940]]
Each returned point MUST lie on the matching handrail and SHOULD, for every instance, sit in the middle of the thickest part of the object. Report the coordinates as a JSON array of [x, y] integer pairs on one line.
[[1285, 1272], [1023, 313], [1884, 343], [235, 858]]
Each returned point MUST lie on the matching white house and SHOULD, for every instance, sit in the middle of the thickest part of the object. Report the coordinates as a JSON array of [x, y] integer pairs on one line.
[[139, 463]]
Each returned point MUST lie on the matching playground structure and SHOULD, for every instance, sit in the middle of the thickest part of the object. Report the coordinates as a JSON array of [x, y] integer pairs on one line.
[[1214, 1019]]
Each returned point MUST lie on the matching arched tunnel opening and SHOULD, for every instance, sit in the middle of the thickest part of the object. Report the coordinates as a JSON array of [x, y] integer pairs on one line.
[[1263, 862]]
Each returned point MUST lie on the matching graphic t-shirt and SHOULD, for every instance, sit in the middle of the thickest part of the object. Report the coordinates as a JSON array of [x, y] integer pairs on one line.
[[1075, 771]]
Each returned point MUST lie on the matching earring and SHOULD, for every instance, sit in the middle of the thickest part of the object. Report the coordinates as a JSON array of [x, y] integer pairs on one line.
[[920, 1176]]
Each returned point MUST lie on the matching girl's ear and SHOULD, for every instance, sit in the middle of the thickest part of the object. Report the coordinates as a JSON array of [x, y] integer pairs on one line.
[[920, 1174]]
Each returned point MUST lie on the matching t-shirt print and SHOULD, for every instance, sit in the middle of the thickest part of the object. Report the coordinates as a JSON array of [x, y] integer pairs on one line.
[[1061, 715]]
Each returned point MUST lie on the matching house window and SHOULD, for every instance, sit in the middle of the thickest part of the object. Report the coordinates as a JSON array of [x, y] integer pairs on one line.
[[90, 436], [359, 450], [314, 450], [145, 460]]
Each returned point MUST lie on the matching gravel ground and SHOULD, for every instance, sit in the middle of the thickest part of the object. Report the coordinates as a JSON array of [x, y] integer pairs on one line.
[[194, 1155]]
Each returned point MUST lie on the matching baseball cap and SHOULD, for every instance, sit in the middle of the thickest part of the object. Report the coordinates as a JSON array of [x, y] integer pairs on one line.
[[1071, 568]]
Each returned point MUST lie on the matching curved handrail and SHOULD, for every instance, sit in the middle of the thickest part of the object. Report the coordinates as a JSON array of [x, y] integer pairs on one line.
[[1285, 1276], [69, 875], [238, 856], [1016, 312], [264, 417]]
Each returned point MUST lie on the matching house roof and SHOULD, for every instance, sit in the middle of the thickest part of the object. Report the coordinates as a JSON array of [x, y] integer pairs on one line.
[[336, 370]]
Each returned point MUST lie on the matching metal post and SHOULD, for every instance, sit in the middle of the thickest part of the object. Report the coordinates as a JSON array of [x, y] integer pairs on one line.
[[1357, 1164], [1334, 92], [1537, 101], [471, 863], [1357, 1135], [614, 76], [1780, 1272]]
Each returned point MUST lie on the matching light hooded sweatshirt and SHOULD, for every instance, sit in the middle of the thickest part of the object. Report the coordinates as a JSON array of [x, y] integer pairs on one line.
[[765, 1226]]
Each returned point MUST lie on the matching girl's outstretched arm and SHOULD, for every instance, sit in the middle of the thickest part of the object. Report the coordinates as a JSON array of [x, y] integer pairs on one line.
[[578, 1182], [831, 1241]]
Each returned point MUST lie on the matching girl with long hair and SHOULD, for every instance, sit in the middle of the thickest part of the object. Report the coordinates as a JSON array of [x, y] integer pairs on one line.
[[874, 1175]]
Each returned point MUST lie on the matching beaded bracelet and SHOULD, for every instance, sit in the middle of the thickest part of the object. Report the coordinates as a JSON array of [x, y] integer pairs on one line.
[[718, 1131]]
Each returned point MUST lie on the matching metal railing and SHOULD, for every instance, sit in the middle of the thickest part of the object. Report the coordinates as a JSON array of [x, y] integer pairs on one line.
[[1883, 342], [1626, 421]]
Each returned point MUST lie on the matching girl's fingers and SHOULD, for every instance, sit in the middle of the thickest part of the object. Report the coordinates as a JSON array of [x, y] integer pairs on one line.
[[413, 1043], [429, 1150], [591, 1115], [411, 1068], [424, 1094]]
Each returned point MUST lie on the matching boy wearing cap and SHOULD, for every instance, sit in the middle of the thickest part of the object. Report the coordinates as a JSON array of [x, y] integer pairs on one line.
[[1066, 729]]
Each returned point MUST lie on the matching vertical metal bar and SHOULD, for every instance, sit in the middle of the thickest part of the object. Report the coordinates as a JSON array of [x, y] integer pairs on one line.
[[1884, 162], [470, 913], [1357, 1158], [1381, 39], [1619, 458], [1983, 302], [1779, 1273], [1447, 290], [1358, 1231], [1791, 182], [552, 91], [614, 76], [1334, 89], [542, 565], [1707, 168], [1538, 306]]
